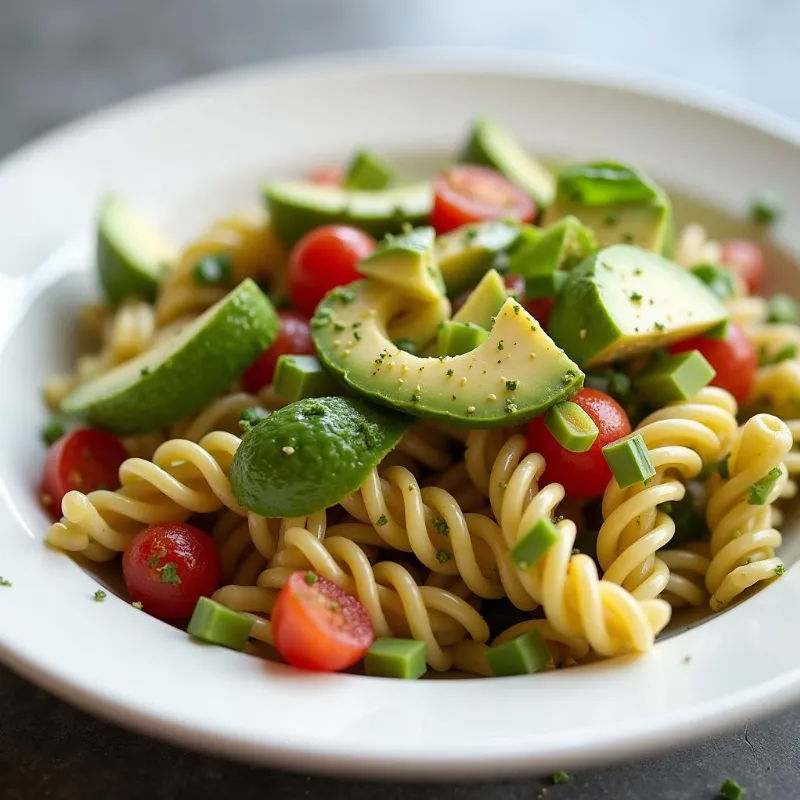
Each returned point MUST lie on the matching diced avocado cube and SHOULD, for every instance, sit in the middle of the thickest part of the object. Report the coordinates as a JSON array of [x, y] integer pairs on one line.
[[484, 301], [562, 245], [531, 546], [465, 254], [215, 623], [490, 146], [571, 426], [783, 309], [629, 460], [395, 658], [523, 655], [718, 279], [602, 183], [675, 377], [368, 170], [456, 338], [299, 377]]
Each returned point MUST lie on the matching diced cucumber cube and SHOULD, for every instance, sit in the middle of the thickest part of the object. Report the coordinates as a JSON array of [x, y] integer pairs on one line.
[[368, 171], [571, 426], [629, 460], [395, 658], [215, 623], [523, 655], [674, 378], [531, 546]]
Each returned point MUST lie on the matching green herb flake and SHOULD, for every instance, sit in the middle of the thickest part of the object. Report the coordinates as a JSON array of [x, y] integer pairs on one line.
[[311, 578], [441, 526], [250, 417], [779, 570], [137, 605], [611, 219], [516, 310], [99, 596], [213, 270], [381, 521], [561, 777], [343, 295], [52, 432], [357, 335], [628, 237], [442, 556], [144, 371], [4, 581], [333, 605], [339, 326], [730, 790], [156, 558], [450, 373], [766, 208], [761, 489], [500, 345], [511, 385], [169, 573], [416, 398], [659, 326], [636, 297]]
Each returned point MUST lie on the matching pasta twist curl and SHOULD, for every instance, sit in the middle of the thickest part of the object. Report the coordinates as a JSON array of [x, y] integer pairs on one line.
[[682, 438], [743, 540], [184, 478]]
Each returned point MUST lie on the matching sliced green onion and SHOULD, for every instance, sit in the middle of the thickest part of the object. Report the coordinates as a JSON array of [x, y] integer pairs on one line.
[[629, 460], [395, 658], [571, 426]]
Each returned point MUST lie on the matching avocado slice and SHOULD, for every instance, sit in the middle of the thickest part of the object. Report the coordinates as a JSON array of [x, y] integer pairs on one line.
[[179, 377], [465, 254], [515, 375], [484, 301], [368, 170], [310, 454], [132, 255], [406, 263], [296, 207], [619, 203], [490, 146], [624, 300]]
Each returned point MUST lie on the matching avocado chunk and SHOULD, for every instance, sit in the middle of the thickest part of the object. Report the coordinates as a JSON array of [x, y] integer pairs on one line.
[[296, 207], [132, 255], [308, 455], [368, 170], [484, 301], [543, 261], [619, 203], [182, 375], [456, 338], [515, 375], [624, 300], [490, 146], [406, 263], [465, 254], [300, 377]]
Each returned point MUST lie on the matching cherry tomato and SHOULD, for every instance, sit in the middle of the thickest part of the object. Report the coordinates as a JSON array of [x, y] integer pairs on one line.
[[746, 258], [540, 309], [84, 460], [581, 474], [324, 258], [467, 193], [329, 174], [169, 566], [294, 338], [316, 625], [734, 359]]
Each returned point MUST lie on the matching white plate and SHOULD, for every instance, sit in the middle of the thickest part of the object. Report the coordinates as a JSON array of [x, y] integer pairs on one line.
[[202, 149]]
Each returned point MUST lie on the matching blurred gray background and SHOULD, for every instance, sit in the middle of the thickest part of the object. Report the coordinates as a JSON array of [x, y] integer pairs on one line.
[[62, 58]]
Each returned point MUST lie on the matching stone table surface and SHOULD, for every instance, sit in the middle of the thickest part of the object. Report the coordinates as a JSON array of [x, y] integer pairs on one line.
[[62, 58]]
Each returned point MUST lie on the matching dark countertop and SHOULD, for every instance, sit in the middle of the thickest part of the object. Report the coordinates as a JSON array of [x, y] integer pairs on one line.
[[62, 58]]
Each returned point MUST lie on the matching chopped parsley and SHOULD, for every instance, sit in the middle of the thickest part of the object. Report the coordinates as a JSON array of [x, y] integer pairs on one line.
[[311, 578], [636, 297], [333, 605], [450, 373], [137, 605], [415, 398], [213, 270], [357, 335], [99, 596], [339, 326], [343, 295], [441, 526], [511, 385], [561, 777], [4, 581], [766, 208], [144, 371], [156, 558], [779, 570], [730, 790], [250, 417], [760, 490], [611, 219], [500, 345], [52, 432], [169, 573], [659, 326], [381, 521], [442, 556]]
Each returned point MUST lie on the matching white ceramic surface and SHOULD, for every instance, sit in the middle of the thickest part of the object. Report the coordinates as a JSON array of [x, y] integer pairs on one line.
[[189, 153]]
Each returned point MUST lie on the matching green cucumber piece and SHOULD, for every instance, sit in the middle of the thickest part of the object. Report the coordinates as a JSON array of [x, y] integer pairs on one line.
[[181, 376], [395, 658], [368, 170], [523, 655], [295, 208], [300, 377], [456, 338], [307, 456], [215, 623], [629, 460], [675, 377], [132, 255], [531, 546], [571, 427]]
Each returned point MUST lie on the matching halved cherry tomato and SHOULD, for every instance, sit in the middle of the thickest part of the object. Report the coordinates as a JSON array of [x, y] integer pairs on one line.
[[515, 285], [324, 258], [746, 258], [734, 359], [84, 460], [169, 566], [316, 625], [294, 338], [581, 474], [329, 174], [467, 193], [541, 309]]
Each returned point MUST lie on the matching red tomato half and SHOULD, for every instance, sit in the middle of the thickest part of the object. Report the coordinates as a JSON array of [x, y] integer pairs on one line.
[[169, 566], [324, 258], [467, 193], [84, 460], [327, 175], [746, 258], [734, 359], [294, 338], [316, 625], [541, 309], [581, 474]]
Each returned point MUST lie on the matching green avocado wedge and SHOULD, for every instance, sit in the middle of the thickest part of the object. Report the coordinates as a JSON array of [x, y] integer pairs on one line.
[[516, 374], [308, 455], [296, 207], [132, 255], [179, 377]]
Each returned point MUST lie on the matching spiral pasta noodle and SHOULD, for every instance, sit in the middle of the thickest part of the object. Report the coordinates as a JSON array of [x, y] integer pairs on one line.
[[693, 246], [743, 540], [682, 438]]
